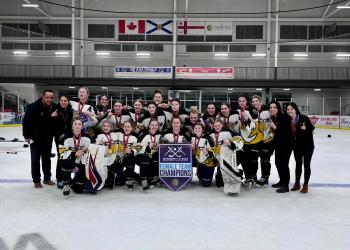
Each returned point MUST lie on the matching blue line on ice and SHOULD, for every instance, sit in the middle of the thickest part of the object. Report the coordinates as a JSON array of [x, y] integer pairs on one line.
[[323, 185]]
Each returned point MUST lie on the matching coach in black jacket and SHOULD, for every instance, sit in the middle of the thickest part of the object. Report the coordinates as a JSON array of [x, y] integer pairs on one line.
[[37, 130]]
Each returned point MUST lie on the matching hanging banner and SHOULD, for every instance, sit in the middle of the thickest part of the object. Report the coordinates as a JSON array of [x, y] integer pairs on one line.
[[175, 165], [143, 72], [204, 73], [218, 28]]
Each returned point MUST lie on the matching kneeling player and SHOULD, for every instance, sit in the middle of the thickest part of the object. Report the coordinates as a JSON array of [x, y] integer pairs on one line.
[[127, 149], [108, 139], [73, 158], [148, 157], [203, 158]]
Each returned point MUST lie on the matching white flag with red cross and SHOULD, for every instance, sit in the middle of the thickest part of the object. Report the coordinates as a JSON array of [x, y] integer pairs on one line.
[[190, 28]]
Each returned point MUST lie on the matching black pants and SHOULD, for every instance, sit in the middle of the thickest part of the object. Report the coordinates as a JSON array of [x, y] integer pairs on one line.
[[117, 170], [205, 174], [249, 160], [58, 165], [300, 155], [282, 156], [43, 151], [149, 166], [265, 152], [79, 180]]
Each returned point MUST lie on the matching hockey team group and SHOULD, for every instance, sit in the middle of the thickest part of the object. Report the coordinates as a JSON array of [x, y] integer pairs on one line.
[[98, 146]]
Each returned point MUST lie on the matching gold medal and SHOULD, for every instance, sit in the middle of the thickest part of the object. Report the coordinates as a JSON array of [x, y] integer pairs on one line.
[[110, 151], [197, 153]]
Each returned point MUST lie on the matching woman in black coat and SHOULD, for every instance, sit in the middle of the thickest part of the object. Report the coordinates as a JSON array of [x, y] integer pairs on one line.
[[62, 125], [300, 131], [281, 144]]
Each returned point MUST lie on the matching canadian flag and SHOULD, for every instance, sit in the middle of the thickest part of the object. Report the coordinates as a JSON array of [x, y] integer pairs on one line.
[[131, 26]]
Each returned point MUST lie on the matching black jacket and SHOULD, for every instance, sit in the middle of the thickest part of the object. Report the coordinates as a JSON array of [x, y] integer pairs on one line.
[[303, 138], [37, 122], [62, 124]]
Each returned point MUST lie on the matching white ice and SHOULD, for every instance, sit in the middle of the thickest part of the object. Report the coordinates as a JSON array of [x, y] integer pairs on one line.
[[193, 218]]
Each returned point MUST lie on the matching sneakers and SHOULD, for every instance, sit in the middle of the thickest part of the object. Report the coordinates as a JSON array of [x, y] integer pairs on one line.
[[296, 187], [277, 185], [37, 185], [144, 184], [60, 184], [305, 189], [283, 189], [264, 180], [66, 190], [49, 182]]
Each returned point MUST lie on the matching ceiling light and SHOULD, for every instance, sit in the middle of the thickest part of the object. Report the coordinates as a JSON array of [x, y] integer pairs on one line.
[[20, 52], [230, 89], [103, 53], [300, 55], [317, 89], [104, 87], [30, 5], [71, 87], [61, 53], [259, 54], [286, 89], [221, 54], [135, 88], [343, 7], [142, 54], [259, 89], [343, 55]]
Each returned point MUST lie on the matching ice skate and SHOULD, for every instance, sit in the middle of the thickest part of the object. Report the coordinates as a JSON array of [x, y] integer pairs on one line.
[[263, 181], [144, 184], [66, 190]]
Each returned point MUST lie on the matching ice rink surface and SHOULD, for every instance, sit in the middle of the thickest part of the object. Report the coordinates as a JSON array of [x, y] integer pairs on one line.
[[194, 218]]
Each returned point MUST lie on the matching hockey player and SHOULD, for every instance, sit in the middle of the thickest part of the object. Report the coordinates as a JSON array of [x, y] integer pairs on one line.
[[209, 117], [266, 145], [226, 143], [118, 116], [153, 113], [175, 111], [108, 139], [84, 111], [125, 160], [102, 107], [191, 122], [175, 134], [136, 114], [203, 158], [251, 136], [73, 157], [147, 158], [229, 117]]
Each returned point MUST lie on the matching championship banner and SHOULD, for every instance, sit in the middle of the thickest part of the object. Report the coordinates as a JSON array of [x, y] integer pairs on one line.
[[175, 165], [204, 73], [218, 28], [143, 72]]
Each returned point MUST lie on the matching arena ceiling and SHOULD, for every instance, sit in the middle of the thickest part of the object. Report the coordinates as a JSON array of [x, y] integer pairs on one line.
[[155, 8]]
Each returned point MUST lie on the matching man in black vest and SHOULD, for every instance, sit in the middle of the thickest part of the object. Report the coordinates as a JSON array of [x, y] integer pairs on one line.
[[37, 131]]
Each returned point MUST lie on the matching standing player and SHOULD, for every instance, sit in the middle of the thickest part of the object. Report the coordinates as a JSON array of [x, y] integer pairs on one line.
[[266, 146], [85, 111]]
